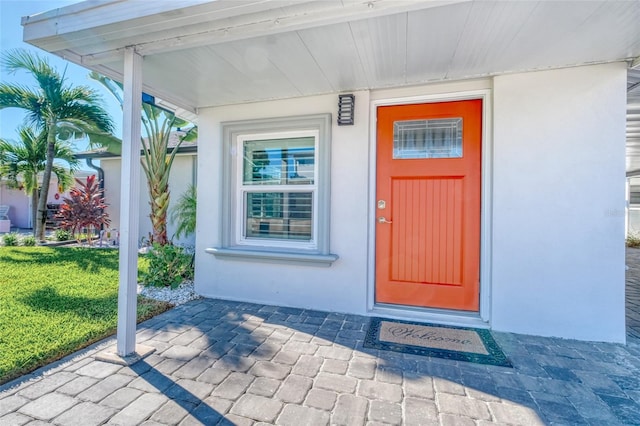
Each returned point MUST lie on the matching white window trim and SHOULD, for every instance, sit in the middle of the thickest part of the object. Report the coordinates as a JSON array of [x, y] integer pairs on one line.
[[242, 189], [231, 246]]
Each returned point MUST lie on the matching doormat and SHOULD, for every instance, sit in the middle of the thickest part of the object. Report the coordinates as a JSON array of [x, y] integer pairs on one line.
[[441, 341]]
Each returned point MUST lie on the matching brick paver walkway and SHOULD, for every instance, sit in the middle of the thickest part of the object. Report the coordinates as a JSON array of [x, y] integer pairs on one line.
[[633, 295], [220, 362]]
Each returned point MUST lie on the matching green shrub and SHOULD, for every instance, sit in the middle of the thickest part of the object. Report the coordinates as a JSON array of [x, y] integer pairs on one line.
[[10, 239], [183, 213], [63, 235], [633, 240], [29, 241], [169, 266]]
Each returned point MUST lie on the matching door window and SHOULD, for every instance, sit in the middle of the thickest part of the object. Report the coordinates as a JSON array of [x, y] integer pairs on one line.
[[436, 138]]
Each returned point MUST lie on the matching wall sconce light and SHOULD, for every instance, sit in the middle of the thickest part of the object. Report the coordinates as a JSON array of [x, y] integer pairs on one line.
[[346, 104]]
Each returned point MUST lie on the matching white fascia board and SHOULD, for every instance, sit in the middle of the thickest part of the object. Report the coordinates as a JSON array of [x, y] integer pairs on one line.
[[96, 13], [131, 30], [94, 22]]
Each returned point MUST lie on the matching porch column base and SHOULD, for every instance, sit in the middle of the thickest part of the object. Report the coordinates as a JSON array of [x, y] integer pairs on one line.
[[111, 356]]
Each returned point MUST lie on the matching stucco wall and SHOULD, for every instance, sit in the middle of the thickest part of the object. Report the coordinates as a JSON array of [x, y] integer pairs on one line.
[[340, 287], [556, 261], [20, 203], [558, 210], [182, 175]]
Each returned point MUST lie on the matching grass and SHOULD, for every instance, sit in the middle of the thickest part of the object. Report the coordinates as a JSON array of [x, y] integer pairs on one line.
[[56, 300]]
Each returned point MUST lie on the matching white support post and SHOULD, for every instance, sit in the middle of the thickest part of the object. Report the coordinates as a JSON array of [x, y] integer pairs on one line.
[[627, 206], [129, 203]]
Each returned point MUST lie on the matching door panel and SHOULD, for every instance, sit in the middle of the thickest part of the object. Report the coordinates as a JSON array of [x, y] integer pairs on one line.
[[428, 240], [429, 211]]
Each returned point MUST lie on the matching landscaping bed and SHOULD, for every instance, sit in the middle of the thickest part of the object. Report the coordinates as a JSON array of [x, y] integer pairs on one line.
[[56, 300]]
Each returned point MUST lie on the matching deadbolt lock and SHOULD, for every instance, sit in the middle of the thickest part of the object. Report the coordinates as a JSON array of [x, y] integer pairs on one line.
[[382, 204]]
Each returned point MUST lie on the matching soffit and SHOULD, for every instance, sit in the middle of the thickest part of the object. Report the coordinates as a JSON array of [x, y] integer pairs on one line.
[[208, 53]]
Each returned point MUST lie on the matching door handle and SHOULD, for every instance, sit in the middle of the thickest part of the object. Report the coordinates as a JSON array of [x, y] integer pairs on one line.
[[382, 219]]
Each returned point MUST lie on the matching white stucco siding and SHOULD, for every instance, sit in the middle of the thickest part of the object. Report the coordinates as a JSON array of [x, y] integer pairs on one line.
[[182, 175], [553, 253], [558, 207], [111, 170], [340, 287]]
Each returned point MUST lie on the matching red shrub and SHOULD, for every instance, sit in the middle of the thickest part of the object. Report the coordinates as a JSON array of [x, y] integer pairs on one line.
[[84, 208]]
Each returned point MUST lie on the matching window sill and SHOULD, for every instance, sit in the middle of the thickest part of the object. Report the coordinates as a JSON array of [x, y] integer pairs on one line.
[[274, 256]]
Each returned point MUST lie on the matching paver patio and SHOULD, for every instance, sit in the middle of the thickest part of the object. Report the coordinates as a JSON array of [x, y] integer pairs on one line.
[[633, 295], [222, 362]]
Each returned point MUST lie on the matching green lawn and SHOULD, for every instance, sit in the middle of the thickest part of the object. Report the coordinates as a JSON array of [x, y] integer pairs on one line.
[[54, 301]]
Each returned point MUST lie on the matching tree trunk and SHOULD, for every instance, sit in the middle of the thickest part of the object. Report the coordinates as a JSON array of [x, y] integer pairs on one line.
[[159, 206], [46, 179], [34, 208]]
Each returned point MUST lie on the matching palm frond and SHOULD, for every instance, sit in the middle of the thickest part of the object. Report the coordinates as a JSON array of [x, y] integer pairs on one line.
[[114, 87], [19, 96], [97, 137], [191, 135], [183, 214], [92, 114], [50, 82], [20, 59], [24, 160], [64, 176]]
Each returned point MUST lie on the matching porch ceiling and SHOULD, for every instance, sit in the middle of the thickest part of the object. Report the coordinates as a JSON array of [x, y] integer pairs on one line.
[[203, 53]]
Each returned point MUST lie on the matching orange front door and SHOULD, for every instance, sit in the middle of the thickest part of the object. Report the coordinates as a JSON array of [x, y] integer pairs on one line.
[[428, 205]]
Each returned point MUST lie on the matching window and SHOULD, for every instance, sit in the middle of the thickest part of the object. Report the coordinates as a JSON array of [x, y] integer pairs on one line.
[[438, 138], [276, 191], [634, 195]]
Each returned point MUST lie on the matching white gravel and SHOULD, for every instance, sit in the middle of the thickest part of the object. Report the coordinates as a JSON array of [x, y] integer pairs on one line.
[[177, 296]]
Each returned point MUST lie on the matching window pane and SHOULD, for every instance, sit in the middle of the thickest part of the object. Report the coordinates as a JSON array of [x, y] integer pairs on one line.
[[440, 138], [279, 215], [279, 161]]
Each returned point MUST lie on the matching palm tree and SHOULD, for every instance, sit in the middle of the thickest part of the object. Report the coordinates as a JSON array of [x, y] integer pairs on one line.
[[58, 109], [157, 161], [158, 156], [24, 161], [183, 213]]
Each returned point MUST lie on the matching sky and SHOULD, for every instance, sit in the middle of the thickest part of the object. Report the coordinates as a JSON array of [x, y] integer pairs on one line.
[[11, 12]]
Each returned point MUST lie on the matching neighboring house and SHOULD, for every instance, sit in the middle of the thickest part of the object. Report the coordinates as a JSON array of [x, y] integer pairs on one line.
[[479, 181], [633, 214], [183, 174], [633, 143], [20, 203]]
